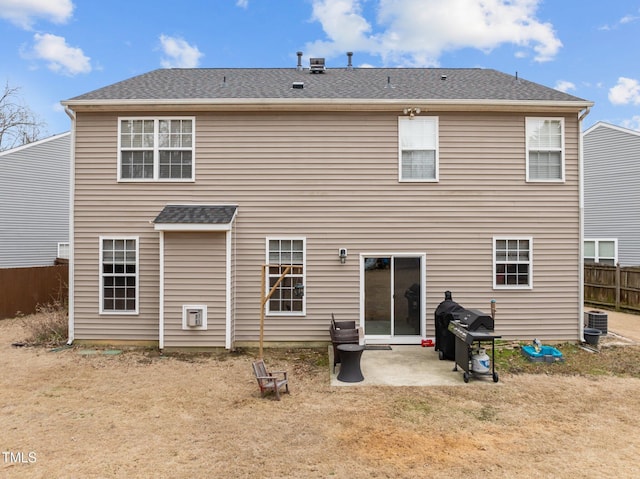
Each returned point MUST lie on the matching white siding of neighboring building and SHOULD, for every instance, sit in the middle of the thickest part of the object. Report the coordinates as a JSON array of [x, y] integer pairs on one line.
[[612, 188], [34, 202]]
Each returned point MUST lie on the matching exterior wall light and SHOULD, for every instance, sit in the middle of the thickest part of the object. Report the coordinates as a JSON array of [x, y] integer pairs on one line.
[[342, 254], [411, 112]]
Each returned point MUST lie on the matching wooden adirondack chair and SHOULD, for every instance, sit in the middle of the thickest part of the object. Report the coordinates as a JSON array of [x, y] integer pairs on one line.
[[270, 381]]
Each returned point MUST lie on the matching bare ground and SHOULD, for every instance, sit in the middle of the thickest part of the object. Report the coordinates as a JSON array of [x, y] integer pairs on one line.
[[139, 414]]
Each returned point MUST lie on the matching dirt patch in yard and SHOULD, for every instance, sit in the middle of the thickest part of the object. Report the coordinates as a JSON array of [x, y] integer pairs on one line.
[[141, 414]]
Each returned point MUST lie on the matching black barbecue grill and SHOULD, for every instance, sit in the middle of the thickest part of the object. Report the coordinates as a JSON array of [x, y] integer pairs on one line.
[[471, 326]]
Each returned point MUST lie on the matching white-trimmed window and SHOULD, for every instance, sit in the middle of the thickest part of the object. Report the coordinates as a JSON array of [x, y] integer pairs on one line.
[[603, 251], [418, 148], [63, 250], [156, 149], [289, 296], [545, 149], [513, 263], [119, 275]]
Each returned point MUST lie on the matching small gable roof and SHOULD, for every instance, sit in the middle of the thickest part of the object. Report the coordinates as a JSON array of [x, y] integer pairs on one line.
[[195, 218]]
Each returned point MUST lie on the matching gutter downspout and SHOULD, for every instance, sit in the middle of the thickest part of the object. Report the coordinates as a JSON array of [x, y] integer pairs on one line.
[[581, 208], [161, 305], [71, 281], [228, 342]]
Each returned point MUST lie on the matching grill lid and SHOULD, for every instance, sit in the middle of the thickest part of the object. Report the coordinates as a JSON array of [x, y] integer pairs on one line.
[[474, 320]]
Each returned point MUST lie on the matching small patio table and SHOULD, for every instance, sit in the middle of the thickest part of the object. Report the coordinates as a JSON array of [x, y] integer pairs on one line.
[[350, 363]]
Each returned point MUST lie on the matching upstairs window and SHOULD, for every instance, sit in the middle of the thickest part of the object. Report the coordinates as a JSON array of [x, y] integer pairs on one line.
[[512, 263], [156, 149], [418, 148], [545, 149]]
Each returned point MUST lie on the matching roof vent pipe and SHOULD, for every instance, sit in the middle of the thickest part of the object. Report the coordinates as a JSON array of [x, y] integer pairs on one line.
[[349, 55], [299, 67]]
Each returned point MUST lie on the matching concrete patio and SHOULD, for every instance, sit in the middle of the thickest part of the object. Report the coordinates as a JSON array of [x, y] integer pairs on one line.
[[404, 366], [418, 366]]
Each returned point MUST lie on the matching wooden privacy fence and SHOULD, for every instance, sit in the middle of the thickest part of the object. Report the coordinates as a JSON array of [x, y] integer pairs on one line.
[[613, 286], [23, 289]]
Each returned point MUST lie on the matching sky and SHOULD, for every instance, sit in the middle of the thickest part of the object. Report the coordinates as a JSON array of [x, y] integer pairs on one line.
[[53, 50]]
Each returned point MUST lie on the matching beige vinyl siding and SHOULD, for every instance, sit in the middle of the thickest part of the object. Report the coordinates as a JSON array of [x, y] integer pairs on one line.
[[333, 179], [194, 275]]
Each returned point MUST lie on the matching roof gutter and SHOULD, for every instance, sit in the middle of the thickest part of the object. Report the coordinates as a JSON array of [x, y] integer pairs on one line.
[[323, 104], [71, 281]]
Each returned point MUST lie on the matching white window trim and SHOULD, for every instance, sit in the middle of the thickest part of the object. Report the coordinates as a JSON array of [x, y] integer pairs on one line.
[[562, 150], [436, 179], [156, 150], [530, 262], [101, 277], [597, 247], [63, 246], [268, 312]]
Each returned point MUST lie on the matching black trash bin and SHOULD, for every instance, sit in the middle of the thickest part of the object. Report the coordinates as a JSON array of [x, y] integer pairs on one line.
[[445, 340]]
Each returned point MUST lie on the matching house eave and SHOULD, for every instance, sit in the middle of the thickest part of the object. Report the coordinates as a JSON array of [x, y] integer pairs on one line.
[[191, 227], [284, 104]]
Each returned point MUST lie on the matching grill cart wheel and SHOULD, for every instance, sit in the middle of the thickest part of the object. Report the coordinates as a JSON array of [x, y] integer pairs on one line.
[[495, 377]]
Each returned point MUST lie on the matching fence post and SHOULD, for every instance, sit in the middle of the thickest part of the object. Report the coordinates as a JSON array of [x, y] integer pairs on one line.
[[618, 286]]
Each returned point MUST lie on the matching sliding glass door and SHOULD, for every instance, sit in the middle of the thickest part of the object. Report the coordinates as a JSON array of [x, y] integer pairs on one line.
[[393, 297]]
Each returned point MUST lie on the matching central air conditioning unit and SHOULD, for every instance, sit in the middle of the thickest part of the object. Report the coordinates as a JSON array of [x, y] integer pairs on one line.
[[194, 318]]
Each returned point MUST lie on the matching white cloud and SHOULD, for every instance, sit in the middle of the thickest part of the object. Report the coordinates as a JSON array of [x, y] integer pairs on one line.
[[626, 91], [25, 12], [242, 3], [565, 86], [418, 32], [178, 53], [633, 123], [61, 57], [629, 19]]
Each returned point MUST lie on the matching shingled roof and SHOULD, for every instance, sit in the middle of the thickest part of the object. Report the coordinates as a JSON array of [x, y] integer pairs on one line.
[[357, 84], [197, 217]]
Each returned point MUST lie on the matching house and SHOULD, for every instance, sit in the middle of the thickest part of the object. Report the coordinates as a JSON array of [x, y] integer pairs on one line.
[[611, 195], [34, 202], [382, 187]]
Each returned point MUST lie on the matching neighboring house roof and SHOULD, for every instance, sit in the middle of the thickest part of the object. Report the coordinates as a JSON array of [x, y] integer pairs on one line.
[[602, 124], [35, 144], [205, 217], [226, 85]]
